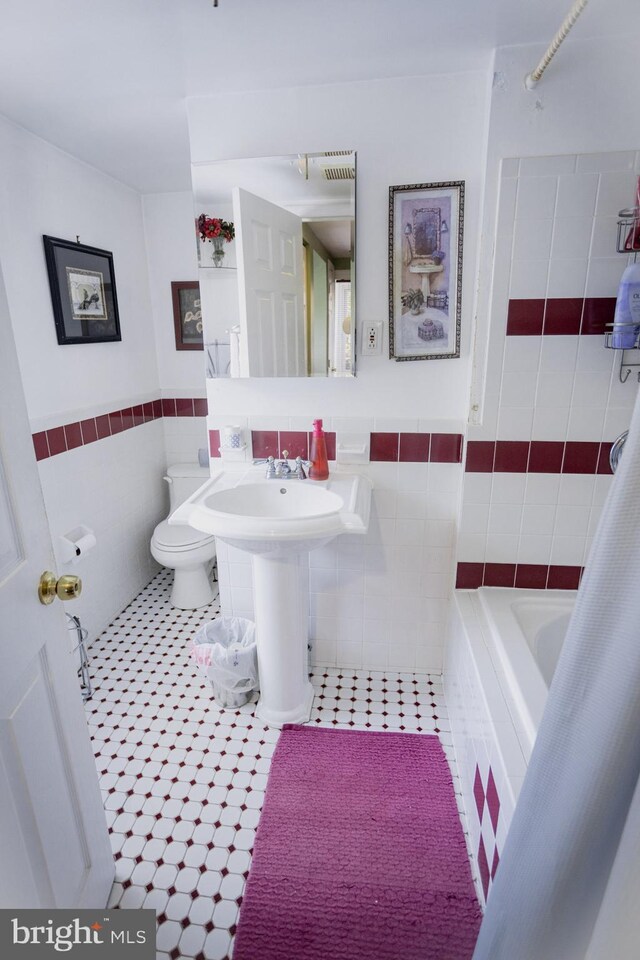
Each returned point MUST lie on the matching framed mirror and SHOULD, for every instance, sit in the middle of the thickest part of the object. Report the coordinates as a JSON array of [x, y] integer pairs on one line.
[[276, 252]]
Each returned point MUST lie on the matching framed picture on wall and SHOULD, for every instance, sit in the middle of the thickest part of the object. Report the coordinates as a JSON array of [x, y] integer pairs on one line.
[[83, 292], [187, 314], [425, 270]]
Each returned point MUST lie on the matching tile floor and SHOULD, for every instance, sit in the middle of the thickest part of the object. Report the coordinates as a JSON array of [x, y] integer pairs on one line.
[[183, 781]]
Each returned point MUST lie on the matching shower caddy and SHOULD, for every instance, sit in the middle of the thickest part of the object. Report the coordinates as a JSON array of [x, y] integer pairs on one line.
[[628, 227]]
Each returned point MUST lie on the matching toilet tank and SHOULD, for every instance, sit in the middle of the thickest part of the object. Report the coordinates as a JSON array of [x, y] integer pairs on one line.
[[184, 479]]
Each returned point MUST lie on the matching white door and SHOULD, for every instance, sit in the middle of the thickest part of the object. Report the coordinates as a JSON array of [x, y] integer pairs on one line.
[[54, 845], [270, 285]]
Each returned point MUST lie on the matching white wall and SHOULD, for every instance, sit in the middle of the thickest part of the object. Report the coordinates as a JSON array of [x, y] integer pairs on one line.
[[171, 255], [45, 191], [411, 130], [114, 485]]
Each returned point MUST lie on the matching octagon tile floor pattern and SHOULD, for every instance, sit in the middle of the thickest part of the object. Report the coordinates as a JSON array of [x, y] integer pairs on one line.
[[183, 781]]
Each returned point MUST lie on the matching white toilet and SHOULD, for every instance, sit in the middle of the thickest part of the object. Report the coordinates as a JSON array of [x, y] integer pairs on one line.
[[188, 552]]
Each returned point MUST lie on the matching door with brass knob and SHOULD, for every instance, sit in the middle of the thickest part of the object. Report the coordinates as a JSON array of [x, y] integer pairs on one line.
[[67, 587], [54, 839]]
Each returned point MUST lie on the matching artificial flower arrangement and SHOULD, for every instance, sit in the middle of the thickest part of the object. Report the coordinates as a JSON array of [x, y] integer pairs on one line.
[[210, 228]]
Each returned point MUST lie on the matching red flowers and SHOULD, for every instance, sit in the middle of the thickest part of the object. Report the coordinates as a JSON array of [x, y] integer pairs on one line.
[[211, 227]]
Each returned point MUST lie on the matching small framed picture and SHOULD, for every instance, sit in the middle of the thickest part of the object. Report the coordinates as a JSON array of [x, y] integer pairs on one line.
[[425, 270], [187, 314], [83, 292]]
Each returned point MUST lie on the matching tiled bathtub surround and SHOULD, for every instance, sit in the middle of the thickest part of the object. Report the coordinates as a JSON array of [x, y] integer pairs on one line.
[[536, 470], [379, 601], [489, 758]]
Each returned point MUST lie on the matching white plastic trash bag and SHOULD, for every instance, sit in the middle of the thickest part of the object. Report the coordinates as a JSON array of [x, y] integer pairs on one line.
[[225, 651]]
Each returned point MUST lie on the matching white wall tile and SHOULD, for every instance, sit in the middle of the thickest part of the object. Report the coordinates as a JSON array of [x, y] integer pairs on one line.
[[522, 354], [518, 389], [585, 423], [532, 239], [572, 521], [515, 423], [477, 488], [550, 423], [558, 354], [604, 162], [571, 238], [536, 198], [501, 548], [508, 488], [474, 518], [576, 489], [554, 389], [538, 519], [577, 195], [528, 279], [534, 548], [547, 166], [603, 276], [567, 278], [505, 518]]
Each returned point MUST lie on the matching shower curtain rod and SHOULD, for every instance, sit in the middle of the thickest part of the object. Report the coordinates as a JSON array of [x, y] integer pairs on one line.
[[531, 80]]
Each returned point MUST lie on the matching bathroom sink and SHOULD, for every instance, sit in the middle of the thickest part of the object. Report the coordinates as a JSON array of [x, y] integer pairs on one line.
[[265, 516], [279, 521]]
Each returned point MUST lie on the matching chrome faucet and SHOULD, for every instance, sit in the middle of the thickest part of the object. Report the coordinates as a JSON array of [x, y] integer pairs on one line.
[[616, 450], [281, 469]]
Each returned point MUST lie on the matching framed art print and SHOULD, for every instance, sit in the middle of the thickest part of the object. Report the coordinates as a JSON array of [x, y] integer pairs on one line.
[[425, 270], [187, 314], [83, 292]]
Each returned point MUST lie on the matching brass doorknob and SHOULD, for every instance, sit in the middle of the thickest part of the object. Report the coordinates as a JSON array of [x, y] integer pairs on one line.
[[68, 587]]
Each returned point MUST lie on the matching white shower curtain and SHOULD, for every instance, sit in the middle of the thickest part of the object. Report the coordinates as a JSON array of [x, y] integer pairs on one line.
[[578, 794]]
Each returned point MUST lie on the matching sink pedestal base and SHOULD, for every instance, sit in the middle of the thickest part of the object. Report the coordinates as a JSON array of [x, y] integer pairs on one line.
[[281, 604]]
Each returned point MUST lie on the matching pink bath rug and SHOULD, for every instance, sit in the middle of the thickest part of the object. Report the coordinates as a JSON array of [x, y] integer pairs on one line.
[[359, 854]]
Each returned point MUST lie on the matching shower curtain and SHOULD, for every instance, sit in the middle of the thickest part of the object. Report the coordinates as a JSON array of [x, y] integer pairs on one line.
[[576, 814]]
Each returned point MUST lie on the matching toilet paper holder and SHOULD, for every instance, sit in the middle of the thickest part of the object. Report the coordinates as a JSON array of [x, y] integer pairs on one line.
[[76, 544]]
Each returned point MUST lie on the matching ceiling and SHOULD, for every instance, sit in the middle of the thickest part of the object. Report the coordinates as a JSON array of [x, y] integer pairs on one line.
[[107, 81]]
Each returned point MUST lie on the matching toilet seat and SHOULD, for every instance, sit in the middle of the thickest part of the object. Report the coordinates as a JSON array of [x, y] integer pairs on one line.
[[179, 537]]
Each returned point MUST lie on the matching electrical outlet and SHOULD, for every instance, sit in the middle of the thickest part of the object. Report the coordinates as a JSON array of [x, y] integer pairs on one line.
[[371, 339]]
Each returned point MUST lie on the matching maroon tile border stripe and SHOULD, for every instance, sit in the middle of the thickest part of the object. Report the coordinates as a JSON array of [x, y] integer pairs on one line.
[[560, 316], [384, 447], [49, 443], [537, 456], [470, 576]]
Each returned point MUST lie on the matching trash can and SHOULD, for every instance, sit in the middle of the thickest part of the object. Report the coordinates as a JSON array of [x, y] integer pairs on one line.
[[225, 652]]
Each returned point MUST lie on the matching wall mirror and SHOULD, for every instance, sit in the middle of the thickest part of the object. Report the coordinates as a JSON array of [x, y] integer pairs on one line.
[[278, 299]]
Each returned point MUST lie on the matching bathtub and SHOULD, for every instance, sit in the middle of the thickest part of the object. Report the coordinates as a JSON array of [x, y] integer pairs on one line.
[[502, 650], [524, 631]]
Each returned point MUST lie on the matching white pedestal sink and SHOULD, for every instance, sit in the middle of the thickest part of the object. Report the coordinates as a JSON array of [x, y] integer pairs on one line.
[[278, 522]]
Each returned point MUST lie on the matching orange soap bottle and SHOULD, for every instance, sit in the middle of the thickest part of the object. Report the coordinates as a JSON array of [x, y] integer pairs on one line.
[[319, 463]]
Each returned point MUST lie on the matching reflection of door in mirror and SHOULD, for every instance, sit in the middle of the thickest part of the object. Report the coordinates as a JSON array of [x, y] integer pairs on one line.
[[270, 285], [278, 287]]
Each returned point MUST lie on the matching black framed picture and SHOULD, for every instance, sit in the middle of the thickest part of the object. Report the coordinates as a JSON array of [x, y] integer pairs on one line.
[[187, 314], [83, 292]]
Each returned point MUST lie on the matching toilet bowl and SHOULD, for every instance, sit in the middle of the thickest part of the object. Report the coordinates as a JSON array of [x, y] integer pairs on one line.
[[188, 552]]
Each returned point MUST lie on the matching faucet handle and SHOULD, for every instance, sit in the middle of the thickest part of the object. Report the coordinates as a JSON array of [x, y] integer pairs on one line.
[[302, 468]]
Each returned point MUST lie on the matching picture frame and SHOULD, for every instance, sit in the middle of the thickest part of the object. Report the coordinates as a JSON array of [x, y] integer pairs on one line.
[[187, 314], [83, 292], [426, 222]]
